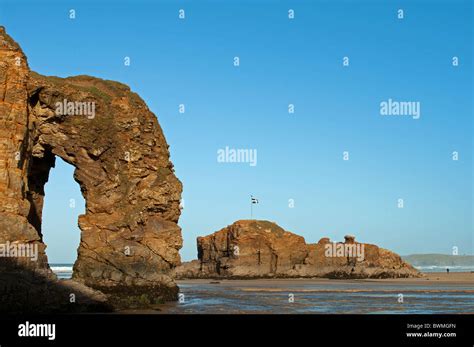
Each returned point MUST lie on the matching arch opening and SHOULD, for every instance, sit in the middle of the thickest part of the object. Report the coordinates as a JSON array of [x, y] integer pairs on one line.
[[63, 203]]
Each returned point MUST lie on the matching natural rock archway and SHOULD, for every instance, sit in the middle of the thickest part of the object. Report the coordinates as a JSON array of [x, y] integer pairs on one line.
[[130, 239]]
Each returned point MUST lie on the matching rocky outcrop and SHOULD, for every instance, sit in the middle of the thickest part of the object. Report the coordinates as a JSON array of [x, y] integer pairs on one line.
[[351, 259], [261, 249], [22, 290], [130, 239], [251, 249]]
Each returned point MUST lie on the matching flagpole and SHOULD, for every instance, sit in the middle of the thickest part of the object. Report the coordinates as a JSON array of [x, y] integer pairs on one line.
[[251, 207]]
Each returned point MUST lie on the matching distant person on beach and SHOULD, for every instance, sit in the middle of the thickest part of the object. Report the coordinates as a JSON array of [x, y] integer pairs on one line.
[[447, 270]]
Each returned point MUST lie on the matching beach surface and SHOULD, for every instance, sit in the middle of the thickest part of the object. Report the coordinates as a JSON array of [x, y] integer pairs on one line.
[[455, 278], [432, 293]]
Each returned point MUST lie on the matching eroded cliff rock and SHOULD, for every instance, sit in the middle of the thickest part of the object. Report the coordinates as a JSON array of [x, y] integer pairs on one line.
[[130, 239], [259, 249]]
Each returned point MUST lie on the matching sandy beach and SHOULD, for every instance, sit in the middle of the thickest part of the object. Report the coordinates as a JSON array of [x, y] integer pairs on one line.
[[461, 278], [430, 278], [432, 293]]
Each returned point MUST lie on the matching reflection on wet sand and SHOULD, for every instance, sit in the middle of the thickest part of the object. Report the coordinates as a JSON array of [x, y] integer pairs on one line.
[[434, 293]]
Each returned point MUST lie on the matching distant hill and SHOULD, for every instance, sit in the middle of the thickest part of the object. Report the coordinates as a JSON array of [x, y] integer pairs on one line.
[[439, 260]]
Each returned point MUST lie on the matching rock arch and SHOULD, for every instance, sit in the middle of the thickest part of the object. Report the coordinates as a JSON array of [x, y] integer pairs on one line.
[[130, 239]]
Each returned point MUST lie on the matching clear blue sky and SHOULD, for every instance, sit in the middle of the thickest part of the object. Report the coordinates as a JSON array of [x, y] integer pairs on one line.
[[283, 61]]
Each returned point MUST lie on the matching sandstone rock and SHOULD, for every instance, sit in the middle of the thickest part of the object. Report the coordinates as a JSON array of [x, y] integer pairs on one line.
[[22, 290], [259, 249], [251, 248], [190, 269], [129, 232], [373, 262]]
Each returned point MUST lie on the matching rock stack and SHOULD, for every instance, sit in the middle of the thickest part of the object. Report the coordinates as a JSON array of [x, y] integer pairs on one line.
[[262, 249]]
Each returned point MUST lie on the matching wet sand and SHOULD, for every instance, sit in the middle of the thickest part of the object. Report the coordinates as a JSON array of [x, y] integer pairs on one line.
[[430, 278], [432, 293], [461, 278]]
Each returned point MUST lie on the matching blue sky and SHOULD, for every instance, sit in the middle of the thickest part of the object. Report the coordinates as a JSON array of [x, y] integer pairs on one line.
[[300, 155]]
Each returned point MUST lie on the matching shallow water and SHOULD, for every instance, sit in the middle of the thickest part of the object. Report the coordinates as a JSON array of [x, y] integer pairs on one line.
[[328, 298], [315, 296], [437, 268], [63, 271]]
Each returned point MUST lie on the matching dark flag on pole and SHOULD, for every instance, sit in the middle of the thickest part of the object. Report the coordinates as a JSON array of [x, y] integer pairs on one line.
[[252, 201]]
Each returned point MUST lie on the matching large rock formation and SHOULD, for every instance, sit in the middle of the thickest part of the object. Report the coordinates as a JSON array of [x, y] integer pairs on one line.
[[258, 249], [130, 239], [251, 249]]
